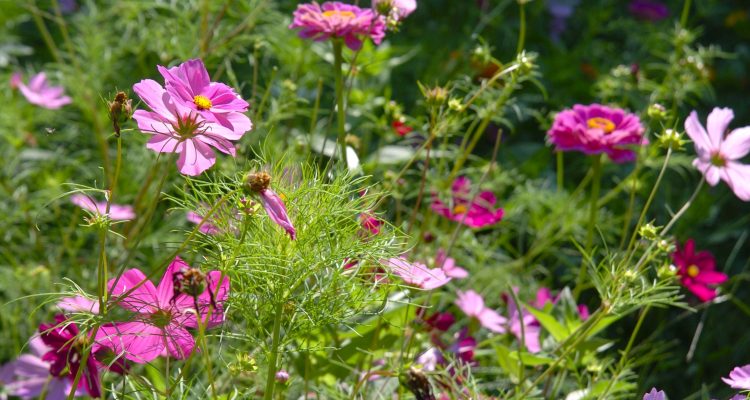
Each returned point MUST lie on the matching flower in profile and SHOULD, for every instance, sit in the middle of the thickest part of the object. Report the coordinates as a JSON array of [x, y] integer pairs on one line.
[[472, 304], [117, 212], [340, 21], [697, 271], [163, 313], [448, 265], [190, 85], [478, 212], [739, 378], [417, 274], [259, 183], [718, 155], [596, 129], [655, 395], [648, 10], [39, 92]]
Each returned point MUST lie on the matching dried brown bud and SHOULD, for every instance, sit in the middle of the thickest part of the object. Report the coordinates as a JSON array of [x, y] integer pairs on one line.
[[258, 182], [120, 110]]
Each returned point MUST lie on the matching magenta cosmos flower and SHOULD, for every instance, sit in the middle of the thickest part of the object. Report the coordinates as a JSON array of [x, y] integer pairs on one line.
[[472, 304], [66, 349], [117, 212], [190, 85], [39, 92], [718, 155], [338, 20], [163, 313], [739, 378], [417, 274], [259, 183], [596, 129], [697, 271], [476, 213]]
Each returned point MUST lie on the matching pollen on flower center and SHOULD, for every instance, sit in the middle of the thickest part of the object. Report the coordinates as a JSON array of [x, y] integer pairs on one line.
[[693, 271], [718, 160], [459, 209], [202, 102], [601, 123], [337, 13]]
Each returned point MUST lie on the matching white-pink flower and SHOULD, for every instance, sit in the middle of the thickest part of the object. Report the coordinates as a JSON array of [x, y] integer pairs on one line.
[[117, 212], [417, 274], [739, 378], [472, 304], [39, 92]]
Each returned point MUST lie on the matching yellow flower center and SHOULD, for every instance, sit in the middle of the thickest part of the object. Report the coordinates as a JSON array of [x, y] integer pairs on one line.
[[693, 271], [337, 13], [202, 102], [459, 209], [601, 123]]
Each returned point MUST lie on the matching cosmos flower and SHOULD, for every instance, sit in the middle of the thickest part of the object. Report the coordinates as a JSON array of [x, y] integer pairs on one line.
[[117, 212], [259, 183], [338, 20], [655, 395], [697, 271], [596, 129], [524, 326], [718, 156], [472, 304], [648, 10], [370, 224], [448, 265], [417, 274], [478, 213], [65, 354], [39, 92], [739, 378]]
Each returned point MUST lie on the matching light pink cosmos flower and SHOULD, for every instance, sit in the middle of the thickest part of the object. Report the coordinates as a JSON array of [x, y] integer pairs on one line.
[[417, 274], [162, 313], [190, 85], [39, 92], [472, 304], [655, 395], [478, 213], [448, 265], [718, 156], [739, 378], [117, 212], [338, 20], [207, 228], [78, 304], [402, 8], [596, 129], [524, 326]]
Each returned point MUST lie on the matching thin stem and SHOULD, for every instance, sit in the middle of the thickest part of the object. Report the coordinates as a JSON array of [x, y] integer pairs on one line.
[[650, 198], [560, 171], [522, 29], [340, 112], [271, 376], [685, 13], [624, 357], [593, 214]]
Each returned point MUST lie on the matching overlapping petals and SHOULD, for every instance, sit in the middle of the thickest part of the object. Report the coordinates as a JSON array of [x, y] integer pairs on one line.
[[478, 212], [40, 93], [697, 271], [338, 20]]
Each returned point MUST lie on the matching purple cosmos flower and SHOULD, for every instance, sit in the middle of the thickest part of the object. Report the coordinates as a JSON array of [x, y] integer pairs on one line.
[[338, 20], [596, 129], [417, 274], [66, 354], [739, 378], [477, 213], [162, 313], [259, 183], [448, 265], [39, 92], [117, 212], [190, 85], [472, 304], [718, 156], [648, 10], [655, 395], [697, 271], [400, 9]]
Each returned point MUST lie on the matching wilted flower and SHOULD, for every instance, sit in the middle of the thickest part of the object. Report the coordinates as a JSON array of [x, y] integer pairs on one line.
[[258, 183], [472, 304], [417, 274], [596, 129], [718, 155], [739, 378], [477, 213], [338, 20], [39, 92], [648, 10], [655, 395], [697, 271], [117, 212]]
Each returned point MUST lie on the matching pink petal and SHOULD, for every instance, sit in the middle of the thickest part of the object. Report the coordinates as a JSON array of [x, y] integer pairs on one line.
[[697, 133], [195, 157], [165, 295], [718, 122], [162, 143], [737, 144], [737, 176], [155, 96], [276, 210], [139, 294], [136, 341], [179, 342]]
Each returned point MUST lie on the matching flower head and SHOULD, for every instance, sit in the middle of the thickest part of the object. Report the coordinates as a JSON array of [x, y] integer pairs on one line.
[[417, 274], [648, 10], [697, 271], [117, 212], [739, 378], [524, 326], [472, 304], [476, 213], [448, 265], [370, 224], [596, 129], [338, 20], [718, 155], [655, 395], [39, 92], [66, 349]]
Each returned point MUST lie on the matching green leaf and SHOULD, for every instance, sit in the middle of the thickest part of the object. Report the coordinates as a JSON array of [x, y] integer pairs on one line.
[[556, 329], [529, 359]]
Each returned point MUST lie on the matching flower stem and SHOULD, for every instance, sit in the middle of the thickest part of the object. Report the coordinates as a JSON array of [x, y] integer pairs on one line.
[[560, 172], [650, 199], [685, 13], [340, 112], [522, 28], [271, 376], [596, 184]]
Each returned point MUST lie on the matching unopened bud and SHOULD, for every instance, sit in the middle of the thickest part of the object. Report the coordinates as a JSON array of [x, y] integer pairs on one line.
[[649, 231], [657, 111], [282, 376], [258, 182], [455, 105], [671, 139], [666, 271]]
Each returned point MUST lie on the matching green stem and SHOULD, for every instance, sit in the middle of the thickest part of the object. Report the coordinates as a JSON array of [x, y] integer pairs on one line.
[[596, 184], [623, 359], [340, 112], [271, 376], [685, 13], [650, 199], [560, 171], [522, 29]]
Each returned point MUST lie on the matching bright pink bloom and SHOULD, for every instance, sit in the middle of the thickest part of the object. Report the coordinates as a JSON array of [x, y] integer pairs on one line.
[[117, 212], [401, 8], [655, 395], [338, 20], [718, 156], [697, 271], [477, 213], [441, 321], [596, 129], [29, 375], [39, 92], [739, 378], [190, 85], [66, 354], [448, 265], [370, 224], [162, 313], [276, 210], [417, 274], [472, 304]]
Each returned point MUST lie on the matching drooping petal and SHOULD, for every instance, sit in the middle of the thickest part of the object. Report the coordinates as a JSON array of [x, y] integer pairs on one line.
[[276, 210]]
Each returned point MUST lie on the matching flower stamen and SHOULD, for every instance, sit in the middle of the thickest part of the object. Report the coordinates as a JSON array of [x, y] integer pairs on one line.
[[340, 14], [693, 271], [202, 102], [601, 123]]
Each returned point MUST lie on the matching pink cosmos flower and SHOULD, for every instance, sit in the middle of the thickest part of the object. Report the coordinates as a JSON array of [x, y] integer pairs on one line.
[[417, 274], [448, 265], [117, 212], [697, 271], [39, 92], [739, 378], [370, 224], [477, 213], [718, 156], [65, 354], [524, 326], [190, 85], [78, 304], [596, 129], [338, 20], [401, 8], [472, 304], [259, 183], [207, 228], [163, 313], [655, 395]]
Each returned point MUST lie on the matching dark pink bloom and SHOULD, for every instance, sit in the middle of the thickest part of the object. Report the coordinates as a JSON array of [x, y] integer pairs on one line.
[[648, 10], [117, 212], [739, 378], [163, 313], [476, 213], [338, 20], [416, 274], [66, 354], [276, 210], [190, 85], [39, 92], [697, 271], [718, 156], [448, 265], [596, 129], [441, 321], [370, 224], [472, 304]]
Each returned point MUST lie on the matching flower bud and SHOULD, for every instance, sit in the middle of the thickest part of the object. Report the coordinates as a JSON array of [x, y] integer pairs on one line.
[[666, 271], [649, 231], [657, 111], [671, 139], [282, 376], [258, 182]]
